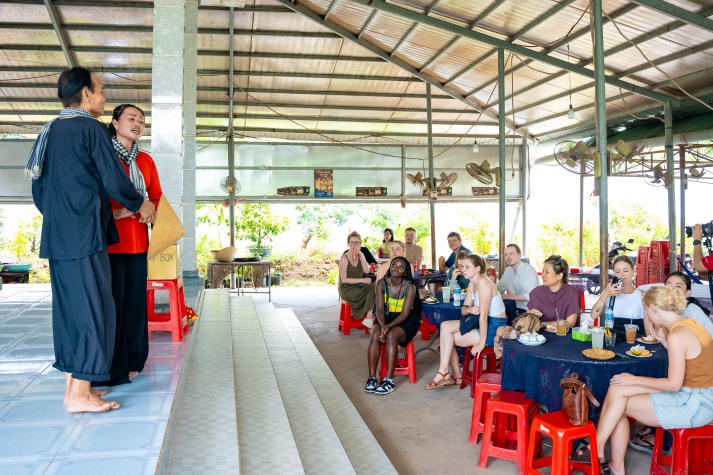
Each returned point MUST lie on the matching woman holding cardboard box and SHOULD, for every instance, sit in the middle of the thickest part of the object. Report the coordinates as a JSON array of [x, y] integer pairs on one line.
[[128, 256]]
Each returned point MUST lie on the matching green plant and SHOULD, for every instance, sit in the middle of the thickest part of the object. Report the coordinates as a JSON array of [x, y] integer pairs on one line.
[[256, 222]]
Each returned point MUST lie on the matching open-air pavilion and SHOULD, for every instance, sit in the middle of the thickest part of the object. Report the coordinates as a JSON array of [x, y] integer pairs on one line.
[[383, 94]]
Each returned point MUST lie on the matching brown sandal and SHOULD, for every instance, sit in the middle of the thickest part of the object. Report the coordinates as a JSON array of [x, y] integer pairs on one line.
[[445, 381]]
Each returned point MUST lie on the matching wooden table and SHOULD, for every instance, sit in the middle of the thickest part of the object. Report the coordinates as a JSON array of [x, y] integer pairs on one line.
[[15, 277], [255, 271]]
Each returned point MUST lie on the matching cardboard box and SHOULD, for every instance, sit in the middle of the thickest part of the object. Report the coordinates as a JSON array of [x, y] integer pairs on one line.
[[165, 265]]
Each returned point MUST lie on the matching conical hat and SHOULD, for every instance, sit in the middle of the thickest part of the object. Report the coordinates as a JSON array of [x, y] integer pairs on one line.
[[167, 228]]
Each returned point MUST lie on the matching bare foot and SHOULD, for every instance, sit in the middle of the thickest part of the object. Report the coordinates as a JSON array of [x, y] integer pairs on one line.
[[90, 403], [133, 374], [99, 392]]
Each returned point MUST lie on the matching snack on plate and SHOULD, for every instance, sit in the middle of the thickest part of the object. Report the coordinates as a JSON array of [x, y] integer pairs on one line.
[[430, 300], [648, 339], [550, 327], [639, 350]]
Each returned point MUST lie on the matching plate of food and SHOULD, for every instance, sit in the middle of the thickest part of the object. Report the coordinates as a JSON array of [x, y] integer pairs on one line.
[[647, 339], [531, 339], [639, 351], [430, 300], [550, 327], [598, 354]]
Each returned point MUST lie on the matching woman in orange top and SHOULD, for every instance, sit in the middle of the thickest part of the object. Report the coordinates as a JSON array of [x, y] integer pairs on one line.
[[683, 399], [128, 256]]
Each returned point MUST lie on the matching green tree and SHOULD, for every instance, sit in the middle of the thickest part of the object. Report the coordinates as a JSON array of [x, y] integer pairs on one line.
[[317, 221], [479, 236], [25, 244], [216, 216], [257, 223]]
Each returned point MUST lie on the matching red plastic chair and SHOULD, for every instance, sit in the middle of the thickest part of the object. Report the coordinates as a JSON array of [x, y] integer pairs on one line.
[[499, 436], [405, 366], [691, 452], [471, 376], [346, 322], [427, 328], [176, 320], [556, 426], [487, 384]]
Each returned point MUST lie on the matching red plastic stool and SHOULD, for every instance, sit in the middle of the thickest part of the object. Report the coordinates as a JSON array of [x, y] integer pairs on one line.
[[471, 376], [426, 328], [346, 322], [487, 384], [556, 426], [691, 452], [175, 321], [498, 436], [403, 365]]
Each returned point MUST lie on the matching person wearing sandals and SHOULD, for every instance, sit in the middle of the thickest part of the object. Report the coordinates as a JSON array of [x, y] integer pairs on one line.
[[354, 287], [644, 439], [683, 399], [398, 316], [483, 308]]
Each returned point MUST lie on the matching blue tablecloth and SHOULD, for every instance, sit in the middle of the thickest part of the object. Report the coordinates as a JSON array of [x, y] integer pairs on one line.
[[440, 312], [537, 370]]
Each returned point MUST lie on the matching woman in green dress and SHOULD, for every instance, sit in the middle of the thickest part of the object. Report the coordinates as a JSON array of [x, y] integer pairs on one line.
[[354, 287]]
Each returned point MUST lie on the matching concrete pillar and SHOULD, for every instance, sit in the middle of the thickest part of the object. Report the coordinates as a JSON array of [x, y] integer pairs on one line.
[[173, 109]]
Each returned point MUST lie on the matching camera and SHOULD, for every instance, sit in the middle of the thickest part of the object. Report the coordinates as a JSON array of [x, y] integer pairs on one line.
[[707, 229]]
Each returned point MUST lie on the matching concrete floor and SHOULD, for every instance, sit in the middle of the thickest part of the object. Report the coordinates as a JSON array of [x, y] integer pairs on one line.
[[421, 431]]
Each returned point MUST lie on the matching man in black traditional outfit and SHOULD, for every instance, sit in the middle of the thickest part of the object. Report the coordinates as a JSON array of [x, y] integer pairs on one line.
[[74, 171]]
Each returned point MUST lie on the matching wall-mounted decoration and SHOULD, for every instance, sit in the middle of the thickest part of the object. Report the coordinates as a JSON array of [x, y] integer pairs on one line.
[[484, 190], [440, 191], [293, 191], [323, 183], [371, 191]]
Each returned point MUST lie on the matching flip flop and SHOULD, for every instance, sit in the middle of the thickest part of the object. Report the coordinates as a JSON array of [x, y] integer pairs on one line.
[[643, 444]]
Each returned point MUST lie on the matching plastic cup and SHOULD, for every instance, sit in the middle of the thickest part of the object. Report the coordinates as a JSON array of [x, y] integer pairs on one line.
[[597, 338], [630, 330], [561, 328], [446, 294], [610, 339]]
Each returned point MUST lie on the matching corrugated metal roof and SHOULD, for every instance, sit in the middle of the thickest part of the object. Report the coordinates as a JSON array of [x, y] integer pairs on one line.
[[345, 70]]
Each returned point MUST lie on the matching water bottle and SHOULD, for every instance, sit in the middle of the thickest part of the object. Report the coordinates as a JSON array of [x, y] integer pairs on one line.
[[609, 317], [456, 294]]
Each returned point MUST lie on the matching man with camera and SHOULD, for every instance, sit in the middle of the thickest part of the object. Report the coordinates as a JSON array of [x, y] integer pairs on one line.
[[700, 263]]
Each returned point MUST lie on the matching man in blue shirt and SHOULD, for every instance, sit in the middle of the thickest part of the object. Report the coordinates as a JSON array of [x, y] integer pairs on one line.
[[456, 244]]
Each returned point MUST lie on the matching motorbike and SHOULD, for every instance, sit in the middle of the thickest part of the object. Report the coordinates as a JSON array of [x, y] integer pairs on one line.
[[590, 278]]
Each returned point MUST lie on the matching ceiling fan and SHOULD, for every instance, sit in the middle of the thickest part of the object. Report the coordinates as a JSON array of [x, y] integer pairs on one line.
[[483, 173], [576, 157], [661, 176], [442, 183], [230, 185]]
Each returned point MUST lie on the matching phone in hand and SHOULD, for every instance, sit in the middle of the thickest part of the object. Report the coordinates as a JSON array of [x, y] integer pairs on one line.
[[616, 282]]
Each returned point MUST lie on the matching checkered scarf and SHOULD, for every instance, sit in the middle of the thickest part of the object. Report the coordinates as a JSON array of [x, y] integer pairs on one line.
[[129, 157], [33, 168]]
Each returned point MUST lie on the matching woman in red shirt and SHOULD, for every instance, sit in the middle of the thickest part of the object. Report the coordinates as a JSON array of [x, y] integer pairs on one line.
[[128, 256]]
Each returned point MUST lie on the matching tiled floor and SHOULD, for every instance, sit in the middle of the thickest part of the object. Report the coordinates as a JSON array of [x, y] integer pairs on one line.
[[420, 431], [37, 436]]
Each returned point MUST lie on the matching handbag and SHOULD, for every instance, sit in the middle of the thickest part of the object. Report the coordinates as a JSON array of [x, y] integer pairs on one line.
[[575, 400]]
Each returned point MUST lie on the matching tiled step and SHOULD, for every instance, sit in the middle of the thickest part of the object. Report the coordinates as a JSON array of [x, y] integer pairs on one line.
[[201, 436], [255, 396], [364, 452]]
